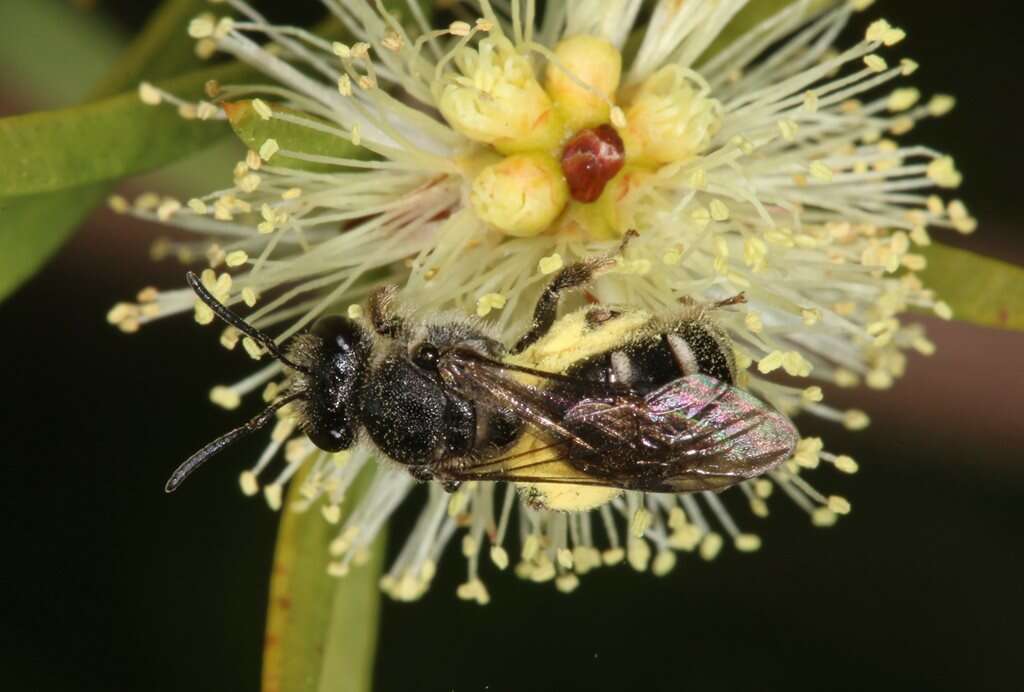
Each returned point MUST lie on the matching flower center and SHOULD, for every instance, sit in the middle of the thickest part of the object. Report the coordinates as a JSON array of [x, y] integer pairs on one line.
[[591, 159]]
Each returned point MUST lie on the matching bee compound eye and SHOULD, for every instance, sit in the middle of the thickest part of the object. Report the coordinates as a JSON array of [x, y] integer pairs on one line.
[[426, 356]]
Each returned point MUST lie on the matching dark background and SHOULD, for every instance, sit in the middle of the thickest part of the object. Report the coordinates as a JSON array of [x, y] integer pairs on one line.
[[110, 584]]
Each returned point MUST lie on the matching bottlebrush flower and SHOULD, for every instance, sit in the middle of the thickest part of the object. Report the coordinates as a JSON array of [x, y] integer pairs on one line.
[[510, 143]]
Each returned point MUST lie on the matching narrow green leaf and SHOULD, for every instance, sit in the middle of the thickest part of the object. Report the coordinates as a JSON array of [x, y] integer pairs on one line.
[[103, 140], [981, 290], [321, 630], [254, 131]]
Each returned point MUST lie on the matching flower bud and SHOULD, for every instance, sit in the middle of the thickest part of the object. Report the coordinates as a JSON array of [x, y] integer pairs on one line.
[[497, 100], [671, 117], [593, 61], [521, 195]]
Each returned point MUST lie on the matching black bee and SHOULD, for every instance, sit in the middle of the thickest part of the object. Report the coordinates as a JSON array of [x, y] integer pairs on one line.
[[602, 400]]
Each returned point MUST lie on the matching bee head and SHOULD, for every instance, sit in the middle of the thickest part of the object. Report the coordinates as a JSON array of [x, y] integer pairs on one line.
[[336, 355]]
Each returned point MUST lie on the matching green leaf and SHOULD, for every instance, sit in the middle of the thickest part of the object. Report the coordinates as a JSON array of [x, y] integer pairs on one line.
[[321, 630], [981, 290], [253, 130], [33, 227], [104, 140]]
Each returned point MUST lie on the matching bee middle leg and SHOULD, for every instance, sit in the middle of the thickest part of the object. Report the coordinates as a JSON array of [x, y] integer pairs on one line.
[[571, 277]]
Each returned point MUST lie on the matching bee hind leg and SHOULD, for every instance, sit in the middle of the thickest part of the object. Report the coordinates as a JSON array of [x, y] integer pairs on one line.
[[574, 276]]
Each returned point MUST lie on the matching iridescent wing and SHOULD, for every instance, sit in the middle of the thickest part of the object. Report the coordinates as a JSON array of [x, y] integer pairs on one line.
[[694, 433]]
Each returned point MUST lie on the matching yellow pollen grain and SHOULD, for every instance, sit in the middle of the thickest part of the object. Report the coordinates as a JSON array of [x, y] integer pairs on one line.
[[262, 109], [770, 363], [354, 311], [810, 102], [710, 546], [331, 513], [618, 118], [943, 310], [902, 99], [198, 206], [268, 149], [392, 41], [719, 210], [698, 179], [149, 94], [249, 296], [499, 556], [485, 25], [820, 171], [754, 322], [812, 394], [247, 481], [855, 419], [488, 302], [292, 193], [366, 82], [940, 105], [459, 28], [823, 517], [225, 397], [341, 50], [118, 204], [908, 67], [943, 172], [229, 338], [252, 348], [345, 85], [550, 264], [236, 258], [876, 63], [357, 137], [763, 488], [360, 50], [273, 494], [846, 464], [747, 542], [640, 522], [663, 563], [788, 129], [839, 504]]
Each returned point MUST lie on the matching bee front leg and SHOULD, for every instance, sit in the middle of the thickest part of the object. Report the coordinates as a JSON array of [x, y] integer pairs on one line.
[[572, 277], [382, 315]]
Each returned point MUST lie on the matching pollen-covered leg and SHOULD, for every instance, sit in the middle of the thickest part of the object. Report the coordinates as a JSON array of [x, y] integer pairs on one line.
[[572, 277]]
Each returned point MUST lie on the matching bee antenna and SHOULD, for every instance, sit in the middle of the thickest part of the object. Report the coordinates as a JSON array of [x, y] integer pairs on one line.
[[229, 438], [225, 313]]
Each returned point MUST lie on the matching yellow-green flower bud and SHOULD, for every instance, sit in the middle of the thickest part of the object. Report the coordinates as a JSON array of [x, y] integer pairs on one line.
[[522, 195], [672, 118], [497, 100], [593, 61]]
